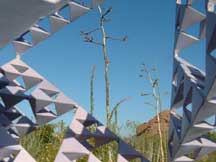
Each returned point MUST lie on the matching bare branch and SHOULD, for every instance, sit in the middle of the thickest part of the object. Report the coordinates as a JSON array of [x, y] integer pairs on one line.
[[89, 32], [124, 39], [118, 105], [91, 40], [155, 82], [150, 104], [148, 75], [109, 10], [144, 94]]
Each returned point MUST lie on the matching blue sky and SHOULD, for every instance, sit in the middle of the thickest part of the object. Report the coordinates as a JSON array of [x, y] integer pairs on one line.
[[66, 61]]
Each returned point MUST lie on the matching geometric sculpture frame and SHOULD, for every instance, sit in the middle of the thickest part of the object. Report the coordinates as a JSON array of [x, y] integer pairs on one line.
[[193, 90]]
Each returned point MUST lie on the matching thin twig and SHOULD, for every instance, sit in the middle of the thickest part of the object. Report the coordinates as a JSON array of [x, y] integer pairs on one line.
[[89, 32], [109, 10], [150, 104], [124, 39]]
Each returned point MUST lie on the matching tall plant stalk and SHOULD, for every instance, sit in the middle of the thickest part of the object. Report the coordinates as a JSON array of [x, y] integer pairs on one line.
[[157, 105], [92, 89], [106, 66], [103, 13], [110, 113]]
